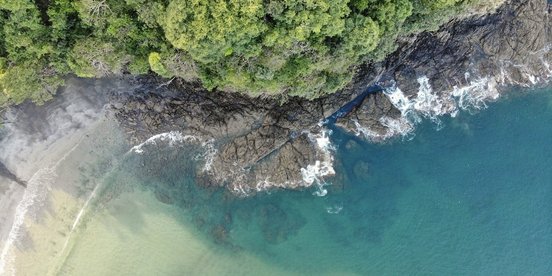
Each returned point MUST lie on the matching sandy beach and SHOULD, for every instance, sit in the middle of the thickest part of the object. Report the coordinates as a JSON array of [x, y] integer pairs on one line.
[[47, 147]]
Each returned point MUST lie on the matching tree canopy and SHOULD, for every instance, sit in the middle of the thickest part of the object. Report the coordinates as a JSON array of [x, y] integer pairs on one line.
[[305, 48]]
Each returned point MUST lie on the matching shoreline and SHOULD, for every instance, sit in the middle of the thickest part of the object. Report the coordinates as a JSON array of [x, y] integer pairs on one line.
[[431, 74], [58, 195], [462, 66], [37, 148], [17, 207]]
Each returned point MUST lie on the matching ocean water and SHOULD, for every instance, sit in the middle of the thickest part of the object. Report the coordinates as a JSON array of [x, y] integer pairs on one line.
[[472, 198]]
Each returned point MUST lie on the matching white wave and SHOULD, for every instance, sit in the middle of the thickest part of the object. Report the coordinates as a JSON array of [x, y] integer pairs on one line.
[[547, 68], [242, 190], [266, 185], [431, 105], [35, 194], [315, 173], [312, 174], [426, 104], [393, 128], [239, 176], [476, 93], [399, 100], [336, 209], [79, 216], [534, 70], [396, 127], [322, 140], [33, 198], [369, 134], [172, 138], [209, 155]]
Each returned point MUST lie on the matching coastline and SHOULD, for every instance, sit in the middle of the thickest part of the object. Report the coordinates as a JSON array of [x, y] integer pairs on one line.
[[64, 150], [261, 142], [264, 141], [39, 147]]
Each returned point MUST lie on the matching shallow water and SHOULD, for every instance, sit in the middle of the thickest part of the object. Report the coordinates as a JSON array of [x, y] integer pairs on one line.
[[472, 198]]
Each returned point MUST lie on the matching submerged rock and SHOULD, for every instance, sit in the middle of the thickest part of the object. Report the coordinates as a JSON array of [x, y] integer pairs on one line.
[[278, 225], [259, 144], [5, 172]]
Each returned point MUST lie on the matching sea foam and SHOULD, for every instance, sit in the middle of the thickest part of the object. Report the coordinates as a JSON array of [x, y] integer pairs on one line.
[[314, 174], [208, 155], [33, 198], [428, 104], [335, 209], [476, 93], [172, 138]]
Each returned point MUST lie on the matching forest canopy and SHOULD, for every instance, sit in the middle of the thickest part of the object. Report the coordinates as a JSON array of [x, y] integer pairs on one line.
[[305, 48]]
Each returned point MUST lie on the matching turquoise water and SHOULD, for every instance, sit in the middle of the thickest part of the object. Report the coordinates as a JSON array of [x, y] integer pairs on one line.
[[474, 198]]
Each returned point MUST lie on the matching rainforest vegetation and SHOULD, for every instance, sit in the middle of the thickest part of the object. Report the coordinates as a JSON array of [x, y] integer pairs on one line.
[[305, 48]]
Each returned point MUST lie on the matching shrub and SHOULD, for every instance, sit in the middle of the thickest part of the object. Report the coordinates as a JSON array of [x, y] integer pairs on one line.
[[285, 48]]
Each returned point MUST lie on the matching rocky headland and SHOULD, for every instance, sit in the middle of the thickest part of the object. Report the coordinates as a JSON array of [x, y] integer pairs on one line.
[[255, 144]]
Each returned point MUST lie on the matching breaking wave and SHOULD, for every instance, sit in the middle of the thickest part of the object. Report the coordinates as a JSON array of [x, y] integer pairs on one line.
[[393, 128], [172, 138], [33, 199], [208, 155], [35, 194], [428, 104], [29, 132], [335, 209], [315, 173]]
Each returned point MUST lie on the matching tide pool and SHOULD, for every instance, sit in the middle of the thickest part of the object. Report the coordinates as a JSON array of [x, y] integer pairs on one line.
[[474, 198]]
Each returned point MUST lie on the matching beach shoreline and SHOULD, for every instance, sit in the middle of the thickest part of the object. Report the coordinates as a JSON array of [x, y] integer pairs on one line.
[[38, 147]]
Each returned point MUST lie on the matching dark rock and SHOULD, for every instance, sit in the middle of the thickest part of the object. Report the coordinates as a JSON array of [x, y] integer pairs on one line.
[[483, 54], [278, 225], [262, 144], [368, 117], [508, 45], [5, 172], [361, 170]]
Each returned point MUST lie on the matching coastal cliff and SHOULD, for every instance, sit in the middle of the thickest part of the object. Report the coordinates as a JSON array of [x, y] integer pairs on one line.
[[255, 144]]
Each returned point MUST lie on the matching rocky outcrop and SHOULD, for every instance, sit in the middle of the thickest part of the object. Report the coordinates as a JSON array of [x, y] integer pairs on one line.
[[510, 46], [461, 66], [261, 143]]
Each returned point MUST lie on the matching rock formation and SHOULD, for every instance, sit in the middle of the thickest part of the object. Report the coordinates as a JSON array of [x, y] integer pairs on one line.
[[262, 144]]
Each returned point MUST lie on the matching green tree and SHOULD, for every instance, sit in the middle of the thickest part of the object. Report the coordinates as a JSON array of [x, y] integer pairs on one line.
[[283, 48]]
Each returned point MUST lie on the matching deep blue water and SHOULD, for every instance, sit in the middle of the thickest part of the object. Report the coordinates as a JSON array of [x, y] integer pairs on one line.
[[474, 198]]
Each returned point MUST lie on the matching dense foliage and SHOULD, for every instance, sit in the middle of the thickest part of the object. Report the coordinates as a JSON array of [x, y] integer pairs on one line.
[[304, 48]]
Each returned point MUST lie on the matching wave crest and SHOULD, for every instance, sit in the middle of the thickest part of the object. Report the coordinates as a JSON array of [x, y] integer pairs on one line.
[[172, 138], [315, 173]]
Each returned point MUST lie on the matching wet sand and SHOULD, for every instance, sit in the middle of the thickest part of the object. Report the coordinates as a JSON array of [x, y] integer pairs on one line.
[[46, 146]]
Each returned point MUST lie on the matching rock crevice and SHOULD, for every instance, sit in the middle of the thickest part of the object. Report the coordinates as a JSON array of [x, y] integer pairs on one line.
[[262, 144]]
